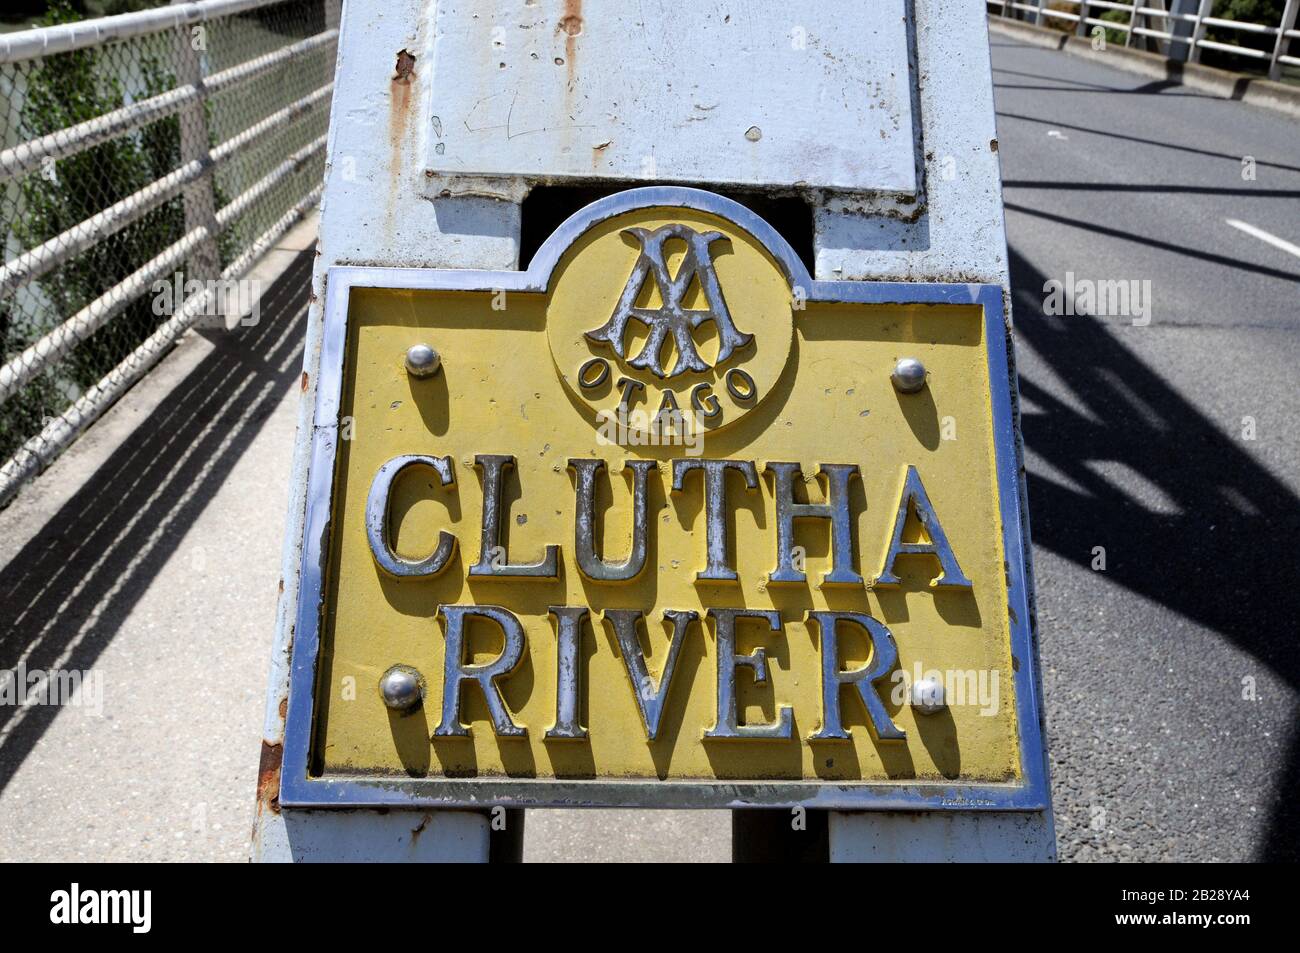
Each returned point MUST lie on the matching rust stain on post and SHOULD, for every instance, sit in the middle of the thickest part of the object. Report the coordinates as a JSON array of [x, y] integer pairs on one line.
[[571, 26], [268, 777], [400, 95], [419, 829], [405, 67], [399, 105]]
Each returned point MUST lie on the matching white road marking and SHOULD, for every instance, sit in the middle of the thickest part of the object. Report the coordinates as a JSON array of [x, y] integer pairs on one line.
[[1264, 236]]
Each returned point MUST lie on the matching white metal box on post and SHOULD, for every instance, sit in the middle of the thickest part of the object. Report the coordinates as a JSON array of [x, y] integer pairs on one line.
[[877, 118]]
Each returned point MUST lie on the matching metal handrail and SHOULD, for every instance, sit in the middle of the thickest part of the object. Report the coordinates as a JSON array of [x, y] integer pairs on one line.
[[196, 170], [66, 37], [38, 452], [68, 244], [27, 156], [58, 342], [1283, 31]]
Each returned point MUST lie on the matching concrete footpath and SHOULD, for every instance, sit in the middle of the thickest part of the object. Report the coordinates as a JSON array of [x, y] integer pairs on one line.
[[148, 555]]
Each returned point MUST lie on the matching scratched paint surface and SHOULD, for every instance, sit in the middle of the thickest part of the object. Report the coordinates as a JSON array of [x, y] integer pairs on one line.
[[673, 92], [501, 391]]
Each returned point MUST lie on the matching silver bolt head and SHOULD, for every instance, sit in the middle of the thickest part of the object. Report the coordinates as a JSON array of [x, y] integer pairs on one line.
[[401, 688], [927, 696], [908, 376], [422, 361]]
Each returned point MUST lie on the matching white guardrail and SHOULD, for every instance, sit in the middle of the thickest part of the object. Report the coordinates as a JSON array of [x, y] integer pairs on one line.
[[180, 142], [1138, 18]]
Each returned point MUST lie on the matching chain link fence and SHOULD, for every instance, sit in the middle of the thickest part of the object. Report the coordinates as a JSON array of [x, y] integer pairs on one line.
[[146, 162]]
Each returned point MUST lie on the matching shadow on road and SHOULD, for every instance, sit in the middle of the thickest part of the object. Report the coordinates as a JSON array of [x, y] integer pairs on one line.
[[1148, 188], [1144, 141], [1225, 558], [72, 586], [1150, 89], [1236, 264]]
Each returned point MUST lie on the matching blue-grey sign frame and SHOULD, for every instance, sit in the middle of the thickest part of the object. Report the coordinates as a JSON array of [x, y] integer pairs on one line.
[[298, 788]]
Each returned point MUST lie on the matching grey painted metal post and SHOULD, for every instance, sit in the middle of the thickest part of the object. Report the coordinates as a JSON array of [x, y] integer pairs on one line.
[[1081, 27], [1161, 46], [1198, 33], [1288, 23], [199, 197], [953, 837], [385, 204], [1132, 22], [1183, 28]]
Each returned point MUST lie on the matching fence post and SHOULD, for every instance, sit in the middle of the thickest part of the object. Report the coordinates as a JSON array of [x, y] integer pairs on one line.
[[1181, 28], [1198, 33], [199, 197], [1132, 22], [1081, 27], [1287, 23], [1161, 46]]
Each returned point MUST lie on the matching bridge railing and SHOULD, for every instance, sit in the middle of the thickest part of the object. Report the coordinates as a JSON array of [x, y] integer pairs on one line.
[[146, 162], [1140, 18]]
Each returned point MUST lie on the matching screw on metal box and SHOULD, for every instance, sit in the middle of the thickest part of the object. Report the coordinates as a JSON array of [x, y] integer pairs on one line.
[[422, 361], [401, 687], [927, 696], [908, 375]]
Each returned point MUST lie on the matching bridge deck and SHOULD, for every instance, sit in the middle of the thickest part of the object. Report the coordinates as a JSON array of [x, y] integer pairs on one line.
[[150, 551]]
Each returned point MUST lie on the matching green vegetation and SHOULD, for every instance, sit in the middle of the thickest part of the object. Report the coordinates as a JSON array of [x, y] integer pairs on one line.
[[1267, 12], [61, 91], [17, 11]]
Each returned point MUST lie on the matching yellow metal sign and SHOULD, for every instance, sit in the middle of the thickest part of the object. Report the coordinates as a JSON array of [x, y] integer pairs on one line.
[[663, 521]]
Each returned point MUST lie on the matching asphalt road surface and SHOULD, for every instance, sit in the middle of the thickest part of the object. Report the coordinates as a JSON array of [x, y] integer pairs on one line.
[[1170, 676], [1163, 439]]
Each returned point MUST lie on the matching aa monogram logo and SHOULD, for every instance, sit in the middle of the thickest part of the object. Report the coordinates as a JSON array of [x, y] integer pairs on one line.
[[699, 328], [671, 318]]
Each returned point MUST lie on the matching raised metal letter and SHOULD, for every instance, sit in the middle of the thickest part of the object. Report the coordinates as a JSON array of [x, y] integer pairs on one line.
[[671, 318], [456, 672], [884, 656], [728, 661], [584, 530], [835, 509], [494, 466], [568, 629], [381, 546], [715, 509], [649, 697], [914, 494]]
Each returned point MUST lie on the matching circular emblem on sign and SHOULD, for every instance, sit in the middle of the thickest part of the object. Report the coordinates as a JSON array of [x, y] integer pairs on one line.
[[669, 322]]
